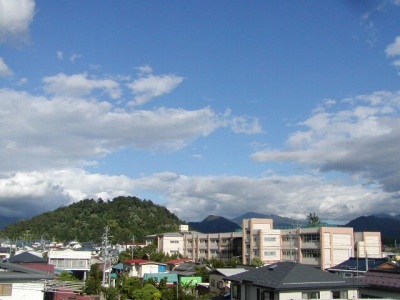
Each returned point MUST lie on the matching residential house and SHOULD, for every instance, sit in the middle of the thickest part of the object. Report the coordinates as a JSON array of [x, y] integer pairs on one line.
[[355, 266], [289, 280], [138, 267], [171, 264], [217, 283], [5, 253], [20, 282], [33, 261], [78, 262], [383, 280]]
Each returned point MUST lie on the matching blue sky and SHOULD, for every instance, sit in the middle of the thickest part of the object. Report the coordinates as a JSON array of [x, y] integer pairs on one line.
[[205, 107]]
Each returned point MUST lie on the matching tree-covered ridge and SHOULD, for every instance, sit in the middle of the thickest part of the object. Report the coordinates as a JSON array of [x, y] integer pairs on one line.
[[85, 221]]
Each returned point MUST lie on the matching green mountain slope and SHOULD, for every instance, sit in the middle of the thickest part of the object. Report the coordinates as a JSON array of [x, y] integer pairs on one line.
[[85, 221]]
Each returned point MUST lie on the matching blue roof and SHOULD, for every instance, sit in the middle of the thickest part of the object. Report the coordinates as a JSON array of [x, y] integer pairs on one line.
[[158, 276], [359, 264]]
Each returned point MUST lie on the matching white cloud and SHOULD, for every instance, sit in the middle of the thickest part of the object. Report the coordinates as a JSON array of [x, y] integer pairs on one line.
[[68, 132], [80, 85], [393, 49], [60, 55], [15, 18], [73, 57], [5, 71], [290, 196], [151, 86], [362, 139]]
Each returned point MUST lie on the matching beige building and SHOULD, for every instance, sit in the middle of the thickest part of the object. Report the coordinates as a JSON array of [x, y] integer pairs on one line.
[[319, 246]]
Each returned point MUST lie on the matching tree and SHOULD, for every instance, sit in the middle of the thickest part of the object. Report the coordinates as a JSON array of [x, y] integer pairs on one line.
[[148, 292], [313, 220], [257, 262], [66, 276], [93, 283]]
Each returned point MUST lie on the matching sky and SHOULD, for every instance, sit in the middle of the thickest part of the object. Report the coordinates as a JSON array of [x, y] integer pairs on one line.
[[204, 107]]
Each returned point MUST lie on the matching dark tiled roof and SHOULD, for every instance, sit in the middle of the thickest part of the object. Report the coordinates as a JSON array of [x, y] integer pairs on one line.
[[289, 276], [382, 280], [353, 264], [26, 257]]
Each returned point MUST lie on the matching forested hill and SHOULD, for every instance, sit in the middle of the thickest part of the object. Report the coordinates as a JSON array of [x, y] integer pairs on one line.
[[85, 221]]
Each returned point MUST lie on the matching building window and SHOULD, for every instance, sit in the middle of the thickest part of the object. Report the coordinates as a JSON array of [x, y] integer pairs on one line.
[[174, 242], [310, 295], [269, 253], [311, 253], [287, 253], [235, 291], [214, 241], [213, 282], [310, 238], [269, 239], [339, 295], [5, 289]]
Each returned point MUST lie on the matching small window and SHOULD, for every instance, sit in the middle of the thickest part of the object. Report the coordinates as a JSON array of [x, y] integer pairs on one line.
[[339, 295], [310, 295], [5, 289], [236, 291]]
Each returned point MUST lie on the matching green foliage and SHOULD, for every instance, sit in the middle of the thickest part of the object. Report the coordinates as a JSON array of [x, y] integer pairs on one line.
[[313, 220], [125, 216], [148, 252], [130, 285], [257, 262], [148, 292], [66, 276], [202, 272], [93, 282]]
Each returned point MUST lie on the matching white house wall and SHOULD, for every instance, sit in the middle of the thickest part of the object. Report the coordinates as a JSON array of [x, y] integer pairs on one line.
[[26, 291]]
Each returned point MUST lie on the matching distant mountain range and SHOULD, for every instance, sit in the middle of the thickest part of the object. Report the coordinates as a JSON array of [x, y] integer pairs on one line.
[[214, 224], [217, 224], [86, 212], [388, 225]]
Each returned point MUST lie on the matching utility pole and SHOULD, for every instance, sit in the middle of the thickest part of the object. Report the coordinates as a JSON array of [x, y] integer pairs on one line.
[[105, 254], [133, 241]]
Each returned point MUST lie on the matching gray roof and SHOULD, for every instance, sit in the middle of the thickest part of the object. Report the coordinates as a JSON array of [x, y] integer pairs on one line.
[[293, 276], [17, 273], [230, 271], [26, 257]]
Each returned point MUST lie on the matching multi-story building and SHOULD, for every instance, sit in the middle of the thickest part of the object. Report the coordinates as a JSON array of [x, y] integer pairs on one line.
[[321, 246]]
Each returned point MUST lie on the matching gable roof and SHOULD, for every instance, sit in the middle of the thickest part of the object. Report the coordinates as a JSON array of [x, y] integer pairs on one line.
[[293, 276], [26, 257]]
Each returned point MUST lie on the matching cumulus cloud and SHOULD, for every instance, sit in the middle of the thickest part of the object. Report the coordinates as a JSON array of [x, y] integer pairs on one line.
[[5, 71], [393, 49], [24, 194], [80, 85], [361, 140], [15, 18], [231, 196], [150, 86], [61, 132]]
